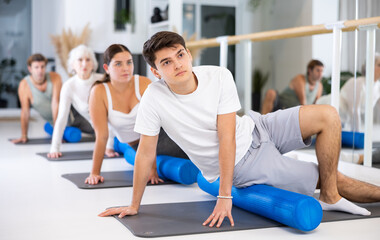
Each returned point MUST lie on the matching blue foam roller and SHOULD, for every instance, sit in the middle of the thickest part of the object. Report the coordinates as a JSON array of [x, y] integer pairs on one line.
[[121, 147], [353, 139], [160, 173], [116, 147], [48, 128], [177, 169], [128, 152], [70, 134], [292, 209]]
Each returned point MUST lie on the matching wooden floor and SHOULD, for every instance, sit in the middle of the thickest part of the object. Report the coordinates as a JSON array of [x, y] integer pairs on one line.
[[37, 203]]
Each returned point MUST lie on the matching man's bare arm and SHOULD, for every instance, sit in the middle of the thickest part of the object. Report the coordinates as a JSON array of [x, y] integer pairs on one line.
[[145, 157], [298, 85], [25, 100], [57, 85], [226, 124]]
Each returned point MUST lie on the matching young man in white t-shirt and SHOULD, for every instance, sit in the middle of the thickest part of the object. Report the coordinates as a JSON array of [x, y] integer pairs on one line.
[[197, 109]]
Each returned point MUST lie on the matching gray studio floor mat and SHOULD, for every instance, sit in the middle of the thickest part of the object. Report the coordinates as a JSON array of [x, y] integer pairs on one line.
[[171, 219], [374, 208], [73, 155], [34, 141], [111, 180]]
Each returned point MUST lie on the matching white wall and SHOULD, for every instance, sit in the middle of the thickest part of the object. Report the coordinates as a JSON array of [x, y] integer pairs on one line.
[[282, 58], [100, 15], [51, 17], [324, 12], [247, 23], [47, 19], [285, 58]]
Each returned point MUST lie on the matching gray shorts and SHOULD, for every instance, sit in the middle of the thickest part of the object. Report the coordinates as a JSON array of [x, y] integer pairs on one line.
[[275, 134]]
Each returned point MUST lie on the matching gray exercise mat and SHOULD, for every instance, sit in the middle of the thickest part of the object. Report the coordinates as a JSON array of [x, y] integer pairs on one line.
[[171, 219], [73, 155], [111, 180], [34, 141]]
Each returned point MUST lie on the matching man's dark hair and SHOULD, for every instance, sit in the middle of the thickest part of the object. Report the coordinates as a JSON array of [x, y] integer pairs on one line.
[[158, 41], [312, 64], [36, 58]]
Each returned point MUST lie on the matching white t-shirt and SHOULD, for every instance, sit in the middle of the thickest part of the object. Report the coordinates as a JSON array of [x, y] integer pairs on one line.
[[191, 120], [74, 91]]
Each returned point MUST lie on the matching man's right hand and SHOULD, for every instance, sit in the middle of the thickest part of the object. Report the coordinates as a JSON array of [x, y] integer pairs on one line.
[[122, 211], [54, 155], [94, 179], [20, 140]]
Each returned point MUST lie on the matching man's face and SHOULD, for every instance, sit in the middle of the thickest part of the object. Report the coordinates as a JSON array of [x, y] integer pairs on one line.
[[37, 70], [174, 65], [316, 73]]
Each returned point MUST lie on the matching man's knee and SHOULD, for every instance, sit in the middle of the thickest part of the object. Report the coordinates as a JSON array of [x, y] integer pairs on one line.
[[316, 118], [320, 113], [330, 115], [271, 94]]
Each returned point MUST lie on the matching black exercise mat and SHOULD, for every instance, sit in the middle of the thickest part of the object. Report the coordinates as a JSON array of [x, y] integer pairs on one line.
[[376, 165], [34, 141], [171, 219], [74, 155], [111, 180], [376, 145]]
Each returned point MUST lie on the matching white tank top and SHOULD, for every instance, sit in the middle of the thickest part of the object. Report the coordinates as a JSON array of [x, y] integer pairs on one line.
[[121, 123]]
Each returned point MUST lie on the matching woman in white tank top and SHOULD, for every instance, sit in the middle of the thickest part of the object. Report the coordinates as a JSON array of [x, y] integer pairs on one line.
[[113, 106]]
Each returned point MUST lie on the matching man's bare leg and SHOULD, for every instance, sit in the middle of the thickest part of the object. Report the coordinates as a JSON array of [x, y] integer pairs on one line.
[[357, 191], [324, 121], [269, 99]]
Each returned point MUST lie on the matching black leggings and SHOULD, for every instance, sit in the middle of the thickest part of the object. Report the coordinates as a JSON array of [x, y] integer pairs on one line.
[[77, 120], [166, 146]]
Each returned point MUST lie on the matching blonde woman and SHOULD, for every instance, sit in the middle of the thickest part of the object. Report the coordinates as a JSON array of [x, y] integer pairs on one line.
[[75, 92]]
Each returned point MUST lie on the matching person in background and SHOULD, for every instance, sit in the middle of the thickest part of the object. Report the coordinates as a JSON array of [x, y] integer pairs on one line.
[[302, 90], [75, 91], [114, 104], [352, 106], [39, 90]]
